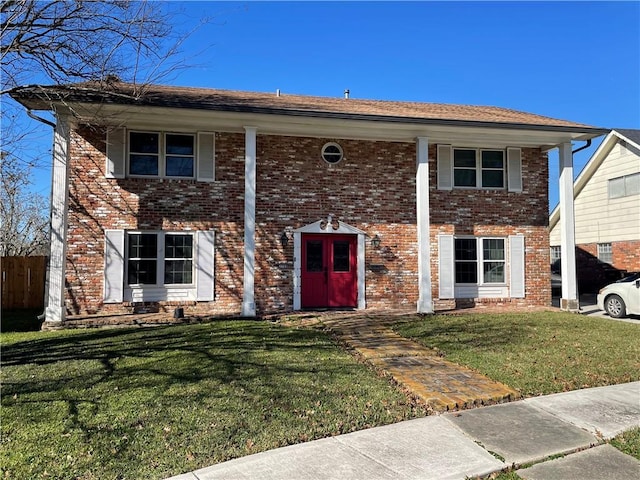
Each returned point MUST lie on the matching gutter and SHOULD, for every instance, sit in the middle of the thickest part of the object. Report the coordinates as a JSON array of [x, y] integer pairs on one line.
[[587, 145]]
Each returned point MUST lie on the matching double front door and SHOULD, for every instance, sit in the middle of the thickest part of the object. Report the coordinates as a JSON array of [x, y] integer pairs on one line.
[[329, 273]]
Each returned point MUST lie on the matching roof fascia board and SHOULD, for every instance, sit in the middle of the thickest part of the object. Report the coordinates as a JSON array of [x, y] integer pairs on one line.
[[626, 139], [348, 128]]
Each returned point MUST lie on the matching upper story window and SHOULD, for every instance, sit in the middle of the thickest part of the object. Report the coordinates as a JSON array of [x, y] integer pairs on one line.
[[480, 260], [474, 168], [161, 154], [555, 252], [624, 186]]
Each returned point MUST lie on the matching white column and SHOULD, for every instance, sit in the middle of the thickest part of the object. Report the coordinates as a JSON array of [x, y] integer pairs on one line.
[[55, 311], [425, 299], [248, 292], [362, 301], [569, 300], [297, 270]]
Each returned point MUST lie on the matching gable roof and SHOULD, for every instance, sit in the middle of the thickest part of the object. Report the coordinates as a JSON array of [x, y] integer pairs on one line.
[[630, 136], [38, 97]]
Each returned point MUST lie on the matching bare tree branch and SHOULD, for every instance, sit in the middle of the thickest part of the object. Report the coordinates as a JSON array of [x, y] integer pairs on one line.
[[63, 42]]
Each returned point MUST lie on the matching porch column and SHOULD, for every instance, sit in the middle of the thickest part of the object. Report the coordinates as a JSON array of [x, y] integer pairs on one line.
[[55, 311], [569, 300], [248, 297], [425, 299]]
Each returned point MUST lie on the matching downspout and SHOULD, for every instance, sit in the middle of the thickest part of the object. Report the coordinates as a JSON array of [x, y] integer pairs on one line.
[[587, 145], [40, 119]]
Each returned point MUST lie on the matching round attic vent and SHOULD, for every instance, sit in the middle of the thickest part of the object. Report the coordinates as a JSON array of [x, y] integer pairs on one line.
[[332, 152]]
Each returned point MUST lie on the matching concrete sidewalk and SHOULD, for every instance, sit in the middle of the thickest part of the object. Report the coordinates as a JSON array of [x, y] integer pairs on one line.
[[469, 443]]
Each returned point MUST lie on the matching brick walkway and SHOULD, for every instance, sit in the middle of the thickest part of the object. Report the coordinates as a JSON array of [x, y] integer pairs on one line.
[[441, 384]]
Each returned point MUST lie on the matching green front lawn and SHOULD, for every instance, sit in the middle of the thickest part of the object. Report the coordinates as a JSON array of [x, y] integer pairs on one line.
[[150, 403], [536, 353]]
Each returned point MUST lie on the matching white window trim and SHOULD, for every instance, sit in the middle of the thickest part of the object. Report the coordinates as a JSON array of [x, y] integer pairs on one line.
[[480, 262], [160, 235], [478, 168], [162, 149]]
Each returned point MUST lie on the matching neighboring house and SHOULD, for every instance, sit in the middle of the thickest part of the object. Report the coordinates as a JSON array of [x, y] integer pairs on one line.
[[607, 212], [252, 203]]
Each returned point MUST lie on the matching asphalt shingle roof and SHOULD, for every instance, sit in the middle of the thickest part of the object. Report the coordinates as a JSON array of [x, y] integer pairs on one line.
[[256, 102]]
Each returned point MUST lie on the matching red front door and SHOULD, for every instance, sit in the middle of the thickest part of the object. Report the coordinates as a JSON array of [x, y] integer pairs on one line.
[[329, 274]]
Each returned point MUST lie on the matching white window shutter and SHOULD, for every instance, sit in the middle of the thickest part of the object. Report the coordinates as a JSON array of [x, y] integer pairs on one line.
[[113, 266], [205, 266], [514, 169], [116, 153], [446, 262], [516, 266], [445, 167], [206, 157]]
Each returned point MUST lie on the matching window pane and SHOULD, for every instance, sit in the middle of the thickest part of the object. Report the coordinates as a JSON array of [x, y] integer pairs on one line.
[[178, 246], [314, 256], [616, 187], [341, 256], [464, 158], [493, 249], [179, 166], [466, 249], [492, 159], [179, 144], [494, 272], [178, 271], [141, 272], [143, 164], [464, 178], [493, 178], [605, 253], [466, 272], [632, 184], [142, 245], [143, 142]]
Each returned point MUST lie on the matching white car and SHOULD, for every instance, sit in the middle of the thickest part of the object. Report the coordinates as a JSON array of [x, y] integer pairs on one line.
[[622, 297]]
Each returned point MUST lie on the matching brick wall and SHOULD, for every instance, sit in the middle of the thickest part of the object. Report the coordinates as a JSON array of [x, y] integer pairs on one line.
[[593, 274], [372, 189], [97, 203]]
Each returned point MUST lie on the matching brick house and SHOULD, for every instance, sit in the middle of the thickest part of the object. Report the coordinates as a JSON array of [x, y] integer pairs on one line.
[[253, 203]]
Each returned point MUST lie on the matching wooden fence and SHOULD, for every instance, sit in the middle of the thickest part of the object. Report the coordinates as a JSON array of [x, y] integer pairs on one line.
[[23, 282]]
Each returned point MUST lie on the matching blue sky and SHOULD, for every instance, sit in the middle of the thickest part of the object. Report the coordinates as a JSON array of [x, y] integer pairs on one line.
[[578, 61]]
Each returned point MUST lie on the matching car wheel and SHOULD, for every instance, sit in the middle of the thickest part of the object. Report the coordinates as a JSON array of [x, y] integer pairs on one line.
[[615, 307]]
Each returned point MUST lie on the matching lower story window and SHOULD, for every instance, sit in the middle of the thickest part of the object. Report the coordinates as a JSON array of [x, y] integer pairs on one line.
[[159, 258], [605, 253], [142, 259], [480, 260], [178, 259]]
